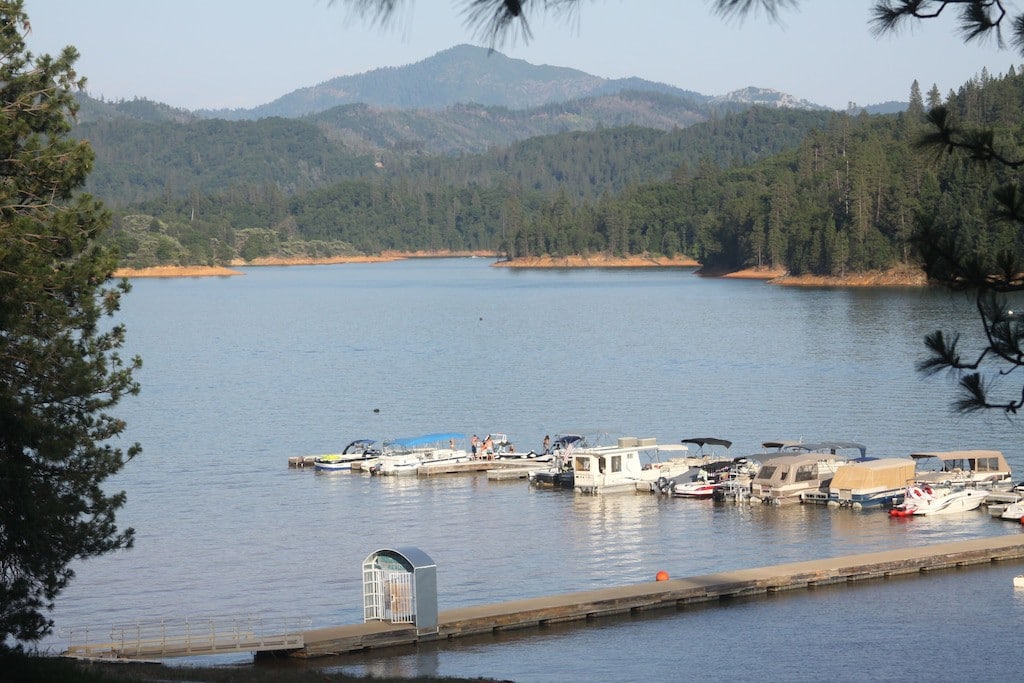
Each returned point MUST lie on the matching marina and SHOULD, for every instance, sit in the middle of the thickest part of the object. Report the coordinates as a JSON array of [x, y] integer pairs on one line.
[[242, 373]]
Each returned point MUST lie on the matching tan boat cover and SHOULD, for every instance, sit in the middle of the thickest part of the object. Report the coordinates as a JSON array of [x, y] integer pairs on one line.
[[888, 473]]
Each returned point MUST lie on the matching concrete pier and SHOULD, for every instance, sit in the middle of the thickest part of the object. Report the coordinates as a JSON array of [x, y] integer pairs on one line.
[[674, 593]]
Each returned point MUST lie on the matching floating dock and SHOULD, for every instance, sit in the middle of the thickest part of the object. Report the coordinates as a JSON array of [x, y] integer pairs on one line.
[[519, 467], [670, 594], [582, 606]]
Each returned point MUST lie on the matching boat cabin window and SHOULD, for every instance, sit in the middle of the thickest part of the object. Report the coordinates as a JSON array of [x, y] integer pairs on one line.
[[616, 463], [806, 473], [766, 472], [985, 465], [582, 464]]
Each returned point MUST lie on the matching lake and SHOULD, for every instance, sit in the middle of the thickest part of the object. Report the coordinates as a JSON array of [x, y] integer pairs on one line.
[[242, 372]]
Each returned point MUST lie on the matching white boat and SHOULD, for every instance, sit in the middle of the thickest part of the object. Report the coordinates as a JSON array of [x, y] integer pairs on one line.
[[1013, 511], [631, 465], [871, 483], [974, 468], [360, 450], [700, 482], [702, 485], [924, 498], [801, 473], [706, 469], [407, 455], [1018, 581]]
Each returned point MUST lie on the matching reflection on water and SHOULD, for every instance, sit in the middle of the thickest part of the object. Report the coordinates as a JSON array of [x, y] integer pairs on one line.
[[241, 373]]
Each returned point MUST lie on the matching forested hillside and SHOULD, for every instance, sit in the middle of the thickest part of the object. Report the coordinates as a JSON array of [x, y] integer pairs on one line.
[[145, 150], [847, 199], [262, 194], [811, 192]]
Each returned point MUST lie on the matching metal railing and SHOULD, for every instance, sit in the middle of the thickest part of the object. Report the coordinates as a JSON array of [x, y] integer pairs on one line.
[[183, 637]]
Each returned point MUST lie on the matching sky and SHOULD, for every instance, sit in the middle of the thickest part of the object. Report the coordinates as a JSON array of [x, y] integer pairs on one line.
[[212, 54]]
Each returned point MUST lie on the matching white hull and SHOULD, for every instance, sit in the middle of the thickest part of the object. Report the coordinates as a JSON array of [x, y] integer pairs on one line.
[[1013, 511], [391, 465], [958, 500]]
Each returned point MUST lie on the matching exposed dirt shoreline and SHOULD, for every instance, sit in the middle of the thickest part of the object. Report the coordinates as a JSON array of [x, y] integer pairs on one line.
[[906, 276]]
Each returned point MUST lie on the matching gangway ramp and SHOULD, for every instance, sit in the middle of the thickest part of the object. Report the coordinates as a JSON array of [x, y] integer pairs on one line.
[[185, 637]]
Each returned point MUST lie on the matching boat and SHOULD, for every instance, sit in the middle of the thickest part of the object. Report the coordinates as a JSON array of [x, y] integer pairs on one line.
[[702, 485], [700, 482], [924, 498], [407, 455], [632, 464], [705, 469], [801, 472], [871, 482], [503, 449], [1018, 581], [736, 486], [973, 468], [702, 468], [1013, 511], [559, 474], [360, 450]]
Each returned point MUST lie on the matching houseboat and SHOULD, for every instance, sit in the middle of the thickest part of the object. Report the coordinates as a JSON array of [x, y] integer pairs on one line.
[[631, 465]]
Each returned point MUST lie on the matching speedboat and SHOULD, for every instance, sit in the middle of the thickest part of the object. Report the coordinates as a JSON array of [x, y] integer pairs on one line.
[[360, 450], [924, 498], [701, 486], [1013, 511], [706, 471]]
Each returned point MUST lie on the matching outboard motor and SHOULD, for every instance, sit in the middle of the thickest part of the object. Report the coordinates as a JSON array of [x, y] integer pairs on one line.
[[663, 485]]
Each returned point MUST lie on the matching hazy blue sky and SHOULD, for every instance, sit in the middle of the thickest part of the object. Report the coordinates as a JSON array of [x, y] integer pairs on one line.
[[234, 53]]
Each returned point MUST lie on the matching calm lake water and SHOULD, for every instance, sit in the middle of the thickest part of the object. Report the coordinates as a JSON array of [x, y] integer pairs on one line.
[[242, 372]]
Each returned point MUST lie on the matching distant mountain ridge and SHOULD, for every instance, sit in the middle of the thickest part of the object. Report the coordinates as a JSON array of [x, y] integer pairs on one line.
[[475, 77], [466, 74]]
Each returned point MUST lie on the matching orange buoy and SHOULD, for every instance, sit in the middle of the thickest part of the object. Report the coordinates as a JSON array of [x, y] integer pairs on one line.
[[662, 576]]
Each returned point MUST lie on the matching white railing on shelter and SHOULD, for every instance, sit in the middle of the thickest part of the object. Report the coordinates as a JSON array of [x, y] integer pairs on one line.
[[182, 637]]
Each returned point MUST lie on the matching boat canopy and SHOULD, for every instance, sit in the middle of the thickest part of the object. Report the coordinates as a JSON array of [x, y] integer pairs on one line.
[[710, 441], [359, 446], [889, 473], [426, 439], [780, 444], [968, 461], [833, 446]]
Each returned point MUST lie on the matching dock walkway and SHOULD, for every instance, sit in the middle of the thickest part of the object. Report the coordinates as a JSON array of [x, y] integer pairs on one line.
[[157, 640], [674, 593]]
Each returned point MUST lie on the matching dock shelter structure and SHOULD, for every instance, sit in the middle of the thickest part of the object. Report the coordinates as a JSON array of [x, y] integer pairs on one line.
[[400, 586]]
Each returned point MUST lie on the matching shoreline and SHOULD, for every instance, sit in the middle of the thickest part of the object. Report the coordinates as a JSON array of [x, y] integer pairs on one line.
[[598, 261], [903, 276]]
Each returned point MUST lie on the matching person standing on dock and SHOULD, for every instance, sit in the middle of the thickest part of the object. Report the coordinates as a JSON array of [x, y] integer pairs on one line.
[[474, 444], [547, 444]]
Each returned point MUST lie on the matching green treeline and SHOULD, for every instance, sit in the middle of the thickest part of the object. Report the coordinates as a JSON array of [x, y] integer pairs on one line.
[[813, 192]]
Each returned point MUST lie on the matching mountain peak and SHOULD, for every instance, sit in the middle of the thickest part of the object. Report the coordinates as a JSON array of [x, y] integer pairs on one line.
[[766, 97]]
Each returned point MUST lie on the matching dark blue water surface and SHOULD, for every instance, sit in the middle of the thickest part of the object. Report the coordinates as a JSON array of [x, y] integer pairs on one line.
[[240, 373]]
